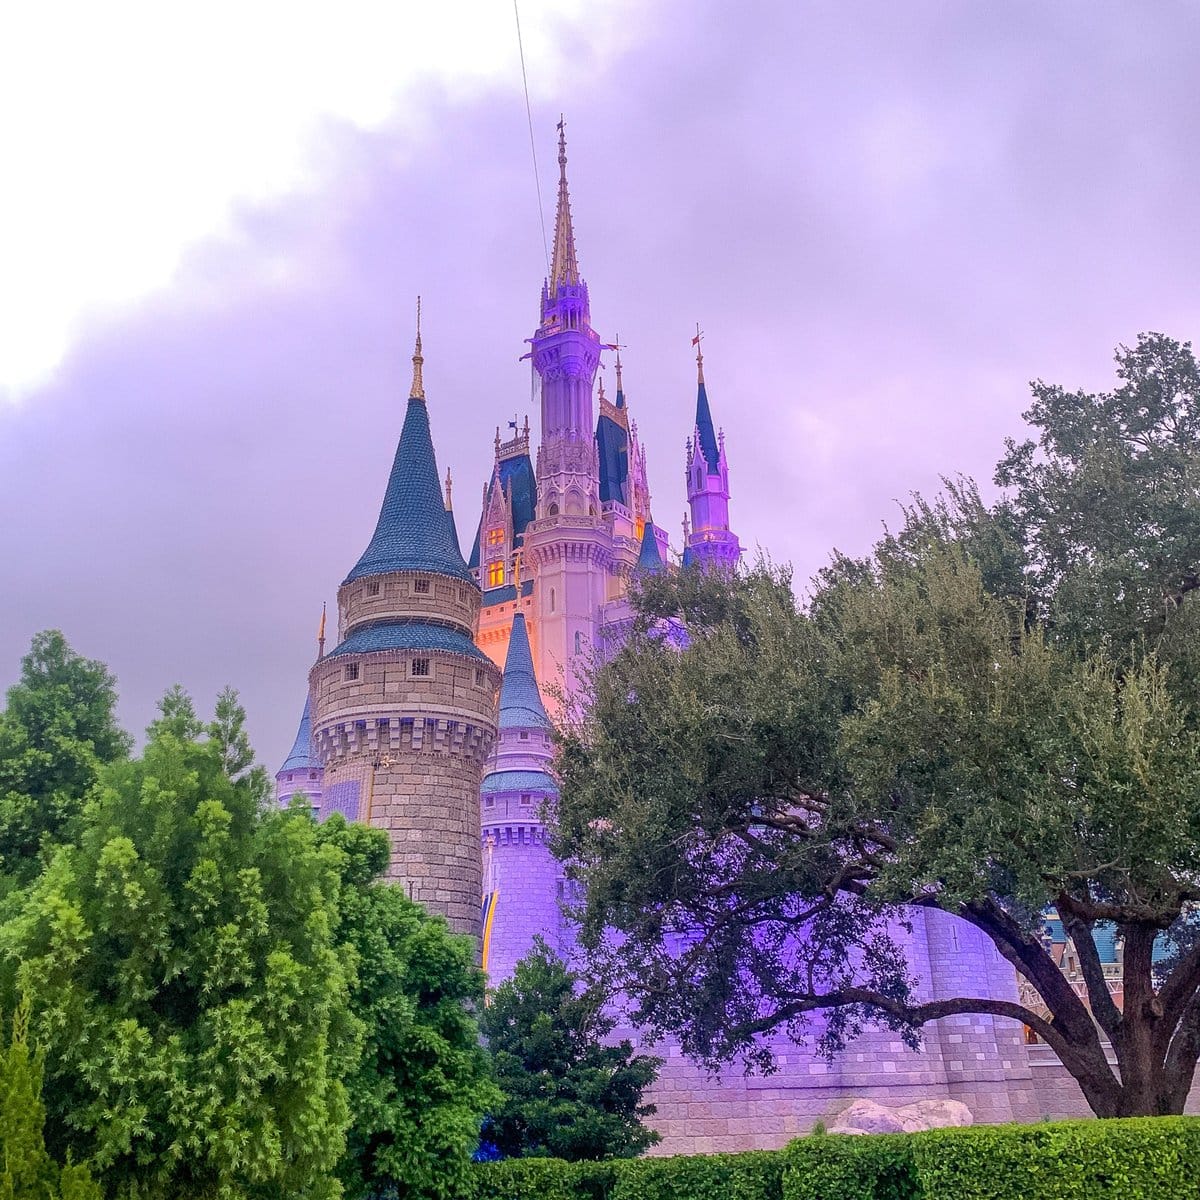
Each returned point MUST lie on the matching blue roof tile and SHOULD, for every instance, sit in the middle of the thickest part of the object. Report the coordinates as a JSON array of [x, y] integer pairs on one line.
[[301, 756], [407, 635], [704, 427], [518, 781], [501, 595], [649, 559], [612, 444], [413, 533], [520, 701]]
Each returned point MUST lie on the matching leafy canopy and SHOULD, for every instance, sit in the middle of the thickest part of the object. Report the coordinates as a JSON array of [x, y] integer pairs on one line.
[[996, 712]]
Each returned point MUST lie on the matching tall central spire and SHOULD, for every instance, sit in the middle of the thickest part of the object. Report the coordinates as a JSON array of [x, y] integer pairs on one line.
[[417, 391], [565, 267]]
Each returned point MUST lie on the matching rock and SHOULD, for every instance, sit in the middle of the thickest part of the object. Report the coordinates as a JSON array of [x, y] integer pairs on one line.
[[865, 1116]]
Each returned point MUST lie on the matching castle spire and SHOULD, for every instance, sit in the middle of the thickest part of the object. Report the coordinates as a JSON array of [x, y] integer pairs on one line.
[[565, 266], [417, 391], [705, 434]]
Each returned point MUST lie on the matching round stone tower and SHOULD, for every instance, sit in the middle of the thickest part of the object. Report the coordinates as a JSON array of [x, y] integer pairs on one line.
[[404, 706], [522, 878], [301, 774]]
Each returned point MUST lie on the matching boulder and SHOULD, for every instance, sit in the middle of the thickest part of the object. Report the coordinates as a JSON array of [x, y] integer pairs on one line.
[[865, 1116]]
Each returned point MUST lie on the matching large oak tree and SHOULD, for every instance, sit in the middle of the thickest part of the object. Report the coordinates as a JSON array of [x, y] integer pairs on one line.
[[996, 712]]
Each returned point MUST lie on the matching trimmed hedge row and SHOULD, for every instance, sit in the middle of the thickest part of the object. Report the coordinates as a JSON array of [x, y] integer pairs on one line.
[[1142, 1158]]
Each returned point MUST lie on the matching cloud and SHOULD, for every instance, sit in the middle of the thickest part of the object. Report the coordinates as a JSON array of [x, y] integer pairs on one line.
[[887, 219]]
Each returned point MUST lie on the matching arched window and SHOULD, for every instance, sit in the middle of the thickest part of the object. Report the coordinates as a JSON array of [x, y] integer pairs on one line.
[[552, 511]]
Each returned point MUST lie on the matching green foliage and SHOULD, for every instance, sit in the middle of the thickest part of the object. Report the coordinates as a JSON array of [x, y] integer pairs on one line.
[[543, 1179], [57, 731], [567, 1094], [996, 712], [186, 982], [27, 1172], [848, 1167], [422, 1084], [1138, 1159], [751, 1175]]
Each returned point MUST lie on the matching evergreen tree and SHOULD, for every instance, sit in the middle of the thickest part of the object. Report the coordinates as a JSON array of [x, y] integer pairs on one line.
[[185, 980], [422, 1084], [58, 729], [568, 1094], [27, 1172]]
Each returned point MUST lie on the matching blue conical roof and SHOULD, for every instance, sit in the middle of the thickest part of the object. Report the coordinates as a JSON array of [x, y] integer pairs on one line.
[[301, 756], [453, 531], [520, 701], [704, 429], [413, 533], [649, 559]]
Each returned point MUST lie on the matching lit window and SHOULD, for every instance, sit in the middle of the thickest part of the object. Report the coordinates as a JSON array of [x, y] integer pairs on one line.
[[495, 537], [420, 585], [496, 574], [420, 667]]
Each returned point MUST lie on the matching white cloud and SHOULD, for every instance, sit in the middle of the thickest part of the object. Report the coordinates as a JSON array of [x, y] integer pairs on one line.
[[128, 129]]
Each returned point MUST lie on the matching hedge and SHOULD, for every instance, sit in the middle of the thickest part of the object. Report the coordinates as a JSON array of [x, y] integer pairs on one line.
[[1142, 1158]]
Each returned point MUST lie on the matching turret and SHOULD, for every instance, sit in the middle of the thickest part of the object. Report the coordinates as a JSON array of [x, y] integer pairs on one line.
[[302, 773], [404, 706], [567, 547], [522, 880], [710, 542]]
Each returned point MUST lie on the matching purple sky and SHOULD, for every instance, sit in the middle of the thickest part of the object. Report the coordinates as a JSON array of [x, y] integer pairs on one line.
[[887, 217]]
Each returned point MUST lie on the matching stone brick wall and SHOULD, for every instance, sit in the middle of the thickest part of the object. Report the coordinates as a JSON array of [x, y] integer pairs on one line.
[[448, 601]]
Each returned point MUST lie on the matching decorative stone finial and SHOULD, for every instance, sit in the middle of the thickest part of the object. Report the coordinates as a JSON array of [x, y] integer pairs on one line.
[[417, 391], [699, 355], [449, 489]]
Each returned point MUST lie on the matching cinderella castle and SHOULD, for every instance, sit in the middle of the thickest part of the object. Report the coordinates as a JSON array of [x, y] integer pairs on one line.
[[431, 715]]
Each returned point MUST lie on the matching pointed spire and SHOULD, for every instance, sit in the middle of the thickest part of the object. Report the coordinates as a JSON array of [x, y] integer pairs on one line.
[[449, 491], [600, 389], [705, 435], [300, 757], [417, 391], [565, 267], [620, 384], [412, 533], [321, 633], [520, 701], [649, 558]]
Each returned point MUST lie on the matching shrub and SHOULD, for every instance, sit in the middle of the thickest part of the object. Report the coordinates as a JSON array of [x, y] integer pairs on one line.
[[851, 1167], [751, 1175], [1141, 1158], [542, 1179]]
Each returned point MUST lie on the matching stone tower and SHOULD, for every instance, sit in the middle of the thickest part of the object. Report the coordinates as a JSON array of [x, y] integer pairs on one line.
[[567, 546], [709, 542], [404, 707], [523, 877]]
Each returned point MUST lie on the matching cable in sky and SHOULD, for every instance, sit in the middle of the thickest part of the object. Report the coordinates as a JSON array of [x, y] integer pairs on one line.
[[532, 141]]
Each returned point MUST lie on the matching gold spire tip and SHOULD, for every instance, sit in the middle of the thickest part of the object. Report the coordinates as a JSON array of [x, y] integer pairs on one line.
[[417, 391]]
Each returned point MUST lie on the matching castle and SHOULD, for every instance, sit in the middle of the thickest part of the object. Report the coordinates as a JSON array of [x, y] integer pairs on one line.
[[429, 719]]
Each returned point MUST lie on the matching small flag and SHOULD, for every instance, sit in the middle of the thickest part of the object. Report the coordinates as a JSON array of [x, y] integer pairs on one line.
[[696, 340]]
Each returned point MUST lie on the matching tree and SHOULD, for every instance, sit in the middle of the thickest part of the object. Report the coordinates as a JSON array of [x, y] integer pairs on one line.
[[996, 712], [58, 729], [423, 1081], [568, 1094], [186, 983], [27, 1172]]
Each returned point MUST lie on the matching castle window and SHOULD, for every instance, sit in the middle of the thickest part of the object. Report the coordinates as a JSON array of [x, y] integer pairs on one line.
[[421, 586], [489, 802], [373, 588], [451, 726], [406, 722], [479, 678], [526, 798], [352, 670], [495, 574], [420, 668], [382, 723], [551, 599], [579, 643], [495, 537], [524, 735], [552, 511], [312, 774]]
